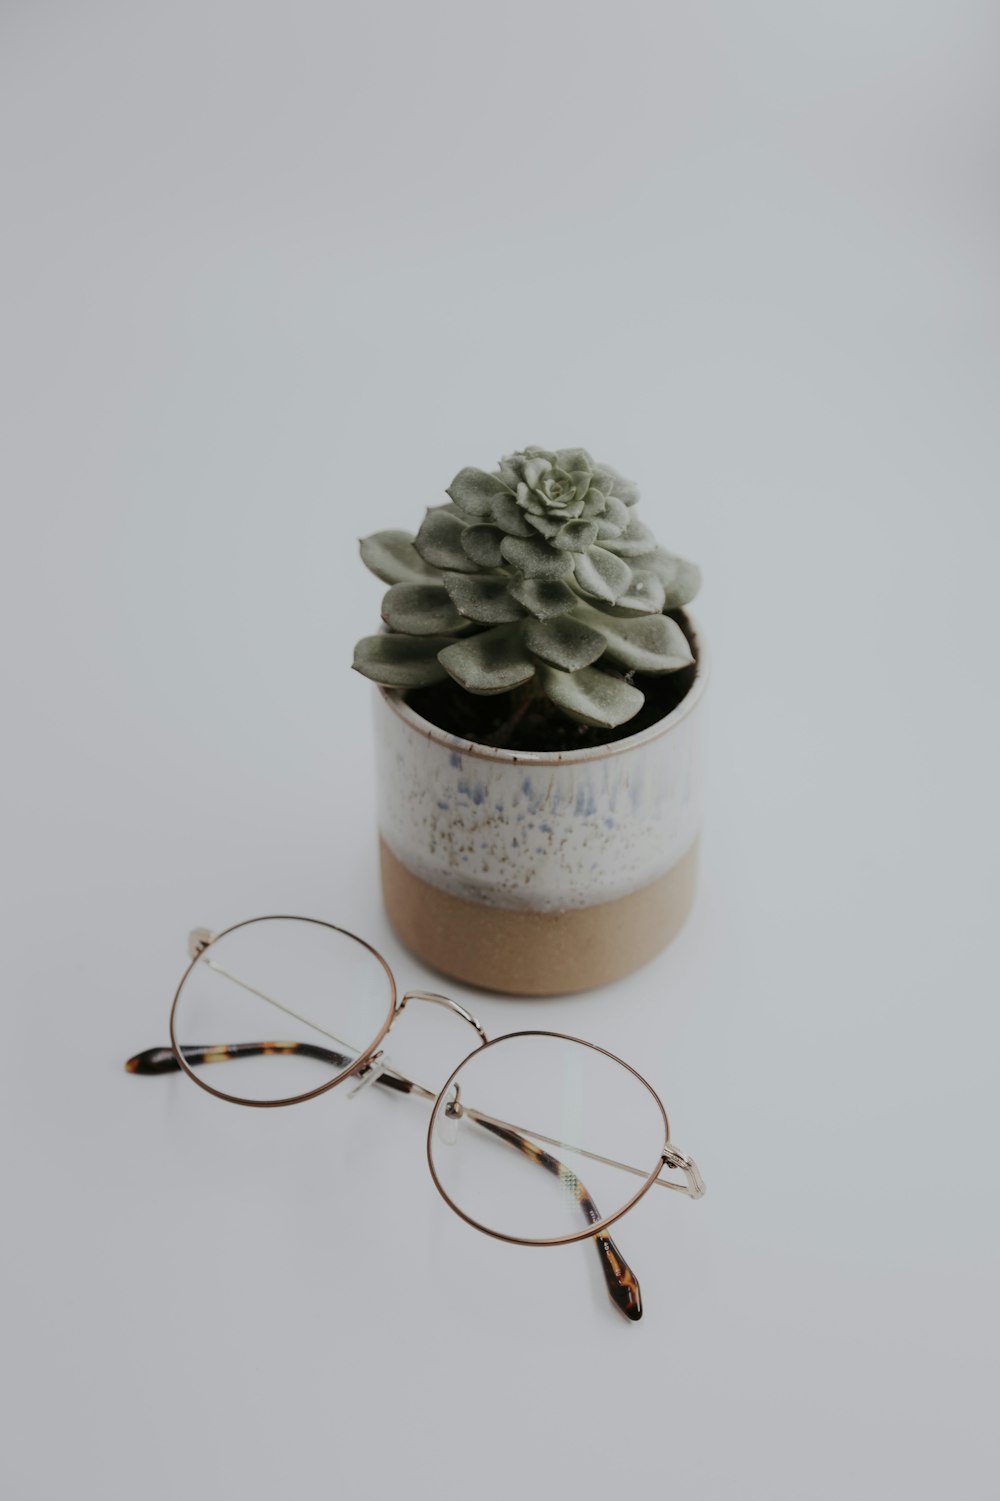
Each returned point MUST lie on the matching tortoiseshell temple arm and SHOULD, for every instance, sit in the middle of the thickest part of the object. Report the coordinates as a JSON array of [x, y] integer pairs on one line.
[[162, 1060], [622, 1283]]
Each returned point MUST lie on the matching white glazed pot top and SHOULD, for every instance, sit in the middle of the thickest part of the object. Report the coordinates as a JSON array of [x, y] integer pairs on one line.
[[539, 831]]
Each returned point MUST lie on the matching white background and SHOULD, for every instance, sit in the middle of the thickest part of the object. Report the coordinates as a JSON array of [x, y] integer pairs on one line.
[[270, 275]]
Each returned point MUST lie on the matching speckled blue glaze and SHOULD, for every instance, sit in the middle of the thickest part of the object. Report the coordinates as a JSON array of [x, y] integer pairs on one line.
[[539, 831]]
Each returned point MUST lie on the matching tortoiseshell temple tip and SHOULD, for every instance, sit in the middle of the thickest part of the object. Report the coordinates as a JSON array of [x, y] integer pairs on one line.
[[152, 1061], [623, 1285]]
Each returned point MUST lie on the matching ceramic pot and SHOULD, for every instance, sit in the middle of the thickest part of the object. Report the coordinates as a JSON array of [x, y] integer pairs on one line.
[[535, 872]]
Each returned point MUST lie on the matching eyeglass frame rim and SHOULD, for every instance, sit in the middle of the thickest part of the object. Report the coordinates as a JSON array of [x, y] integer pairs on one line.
[[397, 1005], [589, 1231], [311, 1094]]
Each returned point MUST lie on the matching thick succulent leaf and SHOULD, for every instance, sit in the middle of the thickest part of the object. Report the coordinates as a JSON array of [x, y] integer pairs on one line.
[[486, 600], [508, 472], [474, 491], [635, 542], [491, 662], [594, 505], [534, 468], [529, 501], [572, 459], [581, 479], [544, 524], [600, 573], [649, 643], [421, 610], [535, 559], [617, 514], [575, 536], [392, 557], [509, 516], [439, 540], [592, 696], [570, 510], [533, 504], [565, 642], [626, 490], [401, 661], [681, 580], [613, 483], [544, 598], [482, 545], [645, 593]]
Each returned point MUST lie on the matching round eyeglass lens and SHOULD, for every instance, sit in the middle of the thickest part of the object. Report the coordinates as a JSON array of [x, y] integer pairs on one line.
[[279, 1007], [539, 1137]]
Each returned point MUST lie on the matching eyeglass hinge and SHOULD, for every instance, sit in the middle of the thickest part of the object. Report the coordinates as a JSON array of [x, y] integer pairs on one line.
[[673, 1157]]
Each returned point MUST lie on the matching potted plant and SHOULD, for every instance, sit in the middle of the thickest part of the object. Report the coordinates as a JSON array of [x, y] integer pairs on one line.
[[537, 727]]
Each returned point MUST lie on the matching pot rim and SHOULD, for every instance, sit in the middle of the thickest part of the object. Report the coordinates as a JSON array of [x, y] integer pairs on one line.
[[479, 752]]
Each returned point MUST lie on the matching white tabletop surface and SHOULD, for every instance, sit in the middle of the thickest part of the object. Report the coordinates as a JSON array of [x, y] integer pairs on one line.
[[271, 274]]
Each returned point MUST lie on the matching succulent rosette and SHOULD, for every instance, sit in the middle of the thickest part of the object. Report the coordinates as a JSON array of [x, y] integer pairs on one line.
[[538, 570]]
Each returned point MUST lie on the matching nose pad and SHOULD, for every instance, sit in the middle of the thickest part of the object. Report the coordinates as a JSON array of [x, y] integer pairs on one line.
[[370, 1074], [449, 1117], [198, 941]]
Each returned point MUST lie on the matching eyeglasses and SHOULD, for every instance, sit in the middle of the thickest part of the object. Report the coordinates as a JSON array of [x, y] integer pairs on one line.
[[525, 1099]]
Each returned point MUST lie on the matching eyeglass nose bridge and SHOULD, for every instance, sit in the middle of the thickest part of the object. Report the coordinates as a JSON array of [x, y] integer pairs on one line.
[[440, 1000]]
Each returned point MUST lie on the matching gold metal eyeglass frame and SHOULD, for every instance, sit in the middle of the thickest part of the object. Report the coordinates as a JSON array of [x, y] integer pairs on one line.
[[370, 1067]]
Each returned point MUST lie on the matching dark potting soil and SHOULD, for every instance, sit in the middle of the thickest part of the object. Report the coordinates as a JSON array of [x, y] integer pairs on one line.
[[523, 721]]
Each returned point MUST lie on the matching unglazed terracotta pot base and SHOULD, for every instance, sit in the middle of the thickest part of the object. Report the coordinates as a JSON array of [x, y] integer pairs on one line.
[[536, 953]]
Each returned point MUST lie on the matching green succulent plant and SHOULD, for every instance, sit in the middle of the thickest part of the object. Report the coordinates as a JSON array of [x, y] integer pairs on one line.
[[539, 572]]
